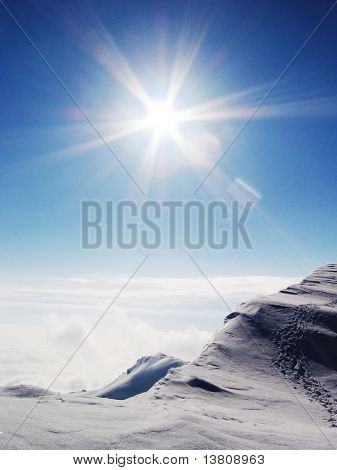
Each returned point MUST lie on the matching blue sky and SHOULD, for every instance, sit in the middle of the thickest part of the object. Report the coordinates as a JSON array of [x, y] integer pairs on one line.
[[287, 154]]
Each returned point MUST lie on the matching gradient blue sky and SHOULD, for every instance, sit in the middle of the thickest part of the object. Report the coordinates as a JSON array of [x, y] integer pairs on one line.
[[288, 155]]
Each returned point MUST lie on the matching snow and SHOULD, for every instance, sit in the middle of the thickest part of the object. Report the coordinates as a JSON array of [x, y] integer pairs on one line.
[[140, 377], [24, 391], [266, 380]]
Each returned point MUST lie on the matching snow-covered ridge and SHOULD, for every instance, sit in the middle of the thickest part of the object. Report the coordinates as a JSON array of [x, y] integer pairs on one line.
[[267, 379], [323, 281]]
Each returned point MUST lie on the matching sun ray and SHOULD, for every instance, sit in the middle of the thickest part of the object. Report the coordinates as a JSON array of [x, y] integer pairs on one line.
[[185, 57], [150, 159], [116, 64]]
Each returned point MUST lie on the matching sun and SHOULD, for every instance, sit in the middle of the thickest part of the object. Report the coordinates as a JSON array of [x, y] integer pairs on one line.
[[161, 118]]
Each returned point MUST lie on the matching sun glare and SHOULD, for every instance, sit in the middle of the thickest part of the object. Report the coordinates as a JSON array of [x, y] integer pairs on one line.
[[162, 118]]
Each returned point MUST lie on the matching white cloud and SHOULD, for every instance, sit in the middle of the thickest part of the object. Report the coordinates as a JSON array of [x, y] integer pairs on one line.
[[144, 294], [35, 353]]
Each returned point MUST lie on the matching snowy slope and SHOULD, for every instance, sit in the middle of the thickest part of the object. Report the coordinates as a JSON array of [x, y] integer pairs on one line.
[[140, 377], [267, 380]]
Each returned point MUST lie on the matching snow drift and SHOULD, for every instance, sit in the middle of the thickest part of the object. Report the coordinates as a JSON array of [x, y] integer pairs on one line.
[[140, 377]]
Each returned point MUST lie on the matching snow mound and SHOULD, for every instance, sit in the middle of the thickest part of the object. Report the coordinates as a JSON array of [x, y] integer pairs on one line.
[[140, 377]]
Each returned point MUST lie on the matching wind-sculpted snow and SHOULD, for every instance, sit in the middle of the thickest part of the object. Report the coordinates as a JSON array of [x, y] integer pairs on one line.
[[140, 377], [267, 379]]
